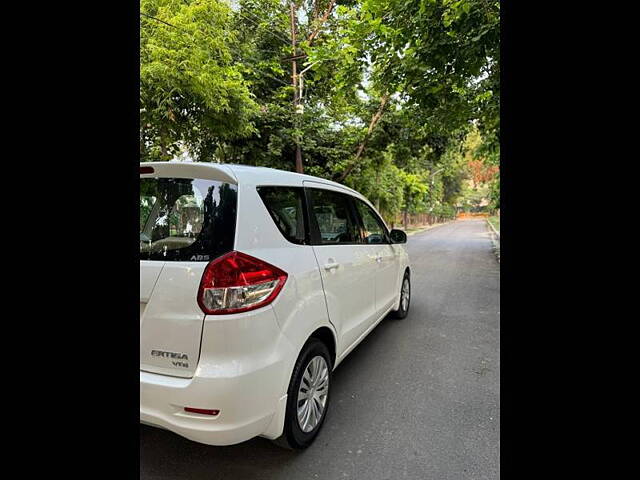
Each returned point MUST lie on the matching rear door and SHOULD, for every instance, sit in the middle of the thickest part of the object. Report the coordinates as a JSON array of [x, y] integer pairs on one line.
[[184, 223], [347, 271], [376, 237]]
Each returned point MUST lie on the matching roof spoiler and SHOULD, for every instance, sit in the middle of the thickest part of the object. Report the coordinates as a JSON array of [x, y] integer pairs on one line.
[[204, 170]]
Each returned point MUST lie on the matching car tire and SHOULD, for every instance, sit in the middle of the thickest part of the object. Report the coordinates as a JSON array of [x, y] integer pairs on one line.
[[403, 310], [294, 436]]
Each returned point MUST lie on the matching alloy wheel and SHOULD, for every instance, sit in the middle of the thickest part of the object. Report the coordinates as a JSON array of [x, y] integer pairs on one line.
[[405, 294], [312, 394]]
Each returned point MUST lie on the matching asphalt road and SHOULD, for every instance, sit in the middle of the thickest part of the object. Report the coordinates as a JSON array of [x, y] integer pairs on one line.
[[419, 398]]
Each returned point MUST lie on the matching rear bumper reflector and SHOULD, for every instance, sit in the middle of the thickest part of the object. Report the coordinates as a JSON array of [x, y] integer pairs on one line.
[[201, 411]]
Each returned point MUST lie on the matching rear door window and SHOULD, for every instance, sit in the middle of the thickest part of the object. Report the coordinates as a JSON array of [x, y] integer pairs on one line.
[[286, 207], [185, 219], [332, 212]]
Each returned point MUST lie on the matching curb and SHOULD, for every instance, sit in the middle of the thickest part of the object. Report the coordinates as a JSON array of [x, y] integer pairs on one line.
[[495, 239], [493, 228]]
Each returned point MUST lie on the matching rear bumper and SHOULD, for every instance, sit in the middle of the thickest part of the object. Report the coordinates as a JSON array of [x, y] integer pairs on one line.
[[162, 402], [246, 379]]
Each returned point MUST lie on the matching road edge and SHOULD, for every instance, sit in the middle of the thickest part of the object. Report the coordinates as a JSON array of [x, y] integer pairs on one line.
[[495, 239], [429, 227]]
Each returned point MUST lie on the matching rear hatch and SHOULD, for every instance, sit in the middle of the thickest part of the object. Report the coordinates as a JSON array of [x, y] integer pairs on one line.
[[187, 218]]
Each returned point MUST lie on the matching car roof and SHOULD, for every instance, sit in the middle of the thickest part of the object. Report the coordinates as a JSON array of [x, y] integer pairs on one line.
[[265, 174], [246, 174]]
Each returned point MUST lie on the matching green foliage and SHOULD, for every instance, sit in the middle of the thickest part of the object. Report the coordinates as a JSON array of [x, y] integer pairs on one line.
[[192, 91], [444, 211], [217, 84], [494, 193], [415, 191], [381, 182]]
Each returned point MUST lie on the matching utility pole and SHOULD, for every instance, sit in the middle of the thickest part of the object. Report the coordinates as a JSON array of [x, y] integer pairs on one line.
[[294, 82]]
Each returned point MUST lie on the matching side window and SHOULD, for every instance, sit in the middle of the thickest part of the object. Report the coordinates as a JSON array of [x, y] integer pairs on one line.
[[286, 207], [333, 214], [374, 229]]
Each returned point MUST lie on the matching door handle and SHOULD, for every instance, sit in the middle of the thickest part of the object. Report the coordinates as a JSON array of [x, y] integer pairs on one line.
[[331, 265], [379, 258]]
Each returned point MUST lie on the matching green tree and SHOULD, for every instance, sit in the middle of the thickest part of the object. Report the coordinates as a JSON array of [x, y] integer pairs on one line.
[[438, 56], [384, 97], [192, 91]]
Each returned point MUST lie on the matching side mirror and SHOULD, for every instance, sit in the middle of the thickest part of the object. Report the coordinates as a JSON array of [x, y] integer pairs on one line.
[[398, 236]]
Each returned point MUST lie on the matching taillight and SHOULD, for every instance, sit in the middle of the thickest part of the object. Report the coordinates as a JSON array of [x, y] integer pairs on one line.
[[237, 282], [146, 170]]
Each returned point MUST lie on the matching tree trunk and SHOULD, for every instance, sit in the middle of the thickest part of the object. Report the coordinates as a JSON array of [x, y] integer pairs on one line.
[[378, 193], [324, 18], [374, 121], [163, 148]]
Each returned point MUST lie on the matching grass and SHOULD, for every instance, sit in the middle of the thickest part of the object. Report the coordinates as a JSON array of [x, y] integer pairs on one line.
[[495, 221]]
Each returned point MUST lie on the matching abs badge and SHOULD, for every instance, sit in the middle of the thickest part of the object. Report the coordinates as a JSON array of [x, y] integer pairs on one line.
[[177, 359]]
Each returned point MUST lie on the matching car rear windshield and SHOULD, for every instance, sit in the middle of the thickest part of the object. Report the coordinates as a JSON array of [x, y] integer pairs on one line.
[[184, 219]]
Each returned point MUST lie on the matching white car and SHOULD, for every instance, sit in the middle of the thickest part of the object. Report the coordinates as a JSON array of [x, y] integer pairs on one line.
[[255, 284]]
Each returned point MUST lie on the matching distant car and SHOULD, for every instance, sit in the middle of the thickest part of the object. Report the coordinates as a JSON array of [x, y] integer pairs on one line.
[[245, 313]]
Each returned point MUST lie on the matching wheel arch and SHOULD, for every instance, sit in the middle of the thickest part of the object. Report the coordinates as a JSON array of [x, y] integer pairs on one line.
[[323, 332], [328, 337], [326, 334]]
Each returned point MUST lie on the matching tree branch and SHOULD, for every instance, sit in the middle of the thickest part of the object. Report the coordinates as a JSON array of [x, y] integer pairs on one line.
[[324, 18], [372, 124]]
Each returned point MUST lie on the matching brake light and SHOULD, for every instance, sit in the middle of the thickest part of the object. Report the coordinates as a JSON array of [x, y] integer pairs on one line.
[[237, 282]]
